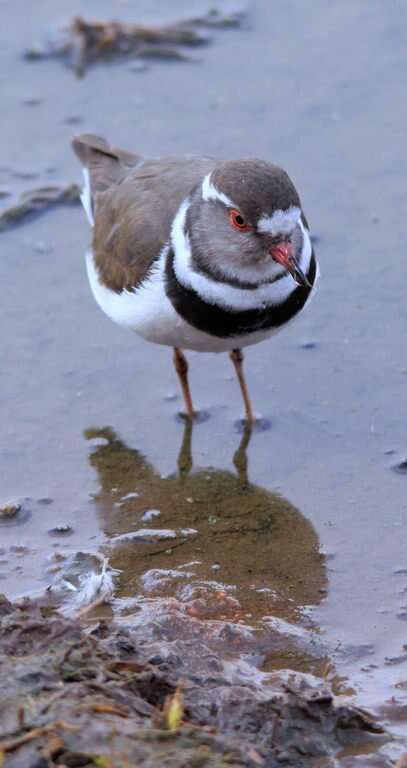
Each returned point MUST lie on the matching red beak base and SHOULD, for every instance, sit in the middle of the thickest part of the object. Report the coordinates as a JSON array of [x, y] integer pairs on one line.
[[282, 253]]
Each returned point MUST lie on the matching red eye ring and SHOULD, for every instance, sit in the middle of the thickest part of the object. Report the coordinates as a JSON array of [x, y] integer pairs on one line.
[[237, 221]]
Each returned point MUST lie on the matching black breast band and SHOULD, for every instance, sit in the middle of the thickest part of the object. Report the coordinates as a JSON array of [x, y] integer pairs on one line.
[[224, 323]]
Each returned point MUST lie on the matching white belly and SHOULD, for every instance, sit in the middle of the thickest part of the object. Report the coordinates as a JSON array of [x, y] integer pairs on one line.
[[151, 315]]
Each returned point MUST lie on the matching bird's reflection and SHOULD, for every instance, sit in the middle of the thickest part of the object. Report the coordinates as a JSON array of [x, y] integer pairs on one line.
[[230, 549]]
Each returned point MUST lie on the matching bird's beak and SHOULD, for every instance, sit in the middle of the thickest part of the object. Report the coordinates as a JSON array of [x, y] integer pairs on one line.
[[283, 253]]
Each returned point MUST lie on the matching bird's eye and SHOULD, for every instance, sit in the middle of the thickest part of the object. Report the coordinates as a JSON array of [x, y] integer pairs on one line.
[[237, 221]]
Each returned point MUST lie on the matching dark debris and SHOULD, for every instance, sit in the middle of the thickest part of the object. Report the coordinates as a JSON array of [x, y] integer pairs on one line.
[[84, 42], [77, 694], [37, 200]]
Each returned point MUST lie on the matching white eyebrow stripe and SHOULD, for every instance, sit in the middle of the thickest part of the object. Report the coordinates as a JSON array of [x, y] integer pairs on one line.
[[209, 192], [281, 222]]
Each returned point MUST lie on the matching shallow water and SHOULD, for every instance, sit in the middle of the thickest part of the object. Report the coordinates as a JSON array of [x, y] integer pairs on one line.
[[320, 90]]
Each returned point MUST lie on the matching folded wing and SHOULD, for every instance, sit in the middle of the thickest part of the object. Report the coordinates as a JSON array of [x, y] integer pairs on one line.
[[132, 202]]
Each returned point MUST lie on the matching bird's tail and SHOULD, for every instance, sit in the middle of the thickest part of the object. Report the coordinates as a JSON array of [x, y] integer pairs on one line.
[[102, 167]]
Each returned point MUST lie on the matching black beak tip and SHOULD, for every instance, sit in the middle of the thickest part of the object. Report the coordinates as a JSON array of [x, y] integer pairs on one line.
[[300, 278]]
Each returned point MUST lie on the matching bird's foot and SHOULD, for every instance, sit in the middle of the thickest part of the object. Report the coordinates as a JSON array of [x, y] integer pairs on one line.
[[197, 417], [259, 424]]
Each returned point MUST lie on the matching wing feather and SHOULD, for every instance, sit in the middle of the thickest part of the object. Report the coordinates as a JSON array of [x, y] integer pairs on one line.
[[133, 201]]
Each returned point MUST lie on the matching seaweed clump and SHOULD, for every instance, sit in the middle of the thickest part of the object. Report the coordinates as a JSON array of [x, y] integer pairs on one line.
[[85, 41]]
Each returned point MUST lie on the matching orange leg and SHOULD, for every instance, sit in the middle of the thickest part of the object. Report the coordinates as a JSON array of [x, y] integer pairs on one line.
[[181, 367], [236, 357]]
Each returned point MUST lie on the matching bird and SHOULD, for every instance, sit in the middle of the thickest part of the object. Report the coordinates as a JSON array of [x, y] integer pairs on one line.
[[193, 252]]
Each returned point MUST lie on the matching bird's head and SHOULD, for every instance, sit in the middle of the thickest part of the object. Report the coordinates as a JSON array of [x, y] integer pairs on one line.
[[244, 224]]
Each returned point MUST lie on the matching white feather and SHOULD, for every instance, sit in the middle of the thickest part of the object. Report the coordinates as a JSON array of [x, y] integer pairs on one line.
[[86, 197], [92, 586]]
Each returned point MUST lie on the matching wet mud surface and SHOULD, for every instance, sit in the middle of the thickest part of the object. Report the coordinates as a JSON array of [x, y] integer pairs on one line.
[[281, 554]]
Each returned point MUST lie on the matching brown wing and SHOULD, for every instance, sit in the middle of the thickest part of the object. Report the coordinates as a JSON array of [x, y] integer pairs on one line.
[[135, 201]]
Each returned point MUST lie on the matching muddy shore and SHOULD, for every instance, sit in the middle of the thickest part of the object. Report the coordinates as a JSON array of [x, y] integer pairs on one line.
[[77, 692]]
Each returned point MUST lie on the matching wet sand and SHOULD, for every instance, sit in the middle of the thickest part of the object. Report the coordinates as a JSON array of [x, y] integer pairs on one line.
[[321, 91]]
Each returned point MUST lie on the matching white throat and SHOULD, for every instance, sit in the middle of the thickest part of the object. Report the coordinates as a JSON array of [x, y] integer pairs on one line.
[[220, 293]]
